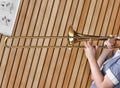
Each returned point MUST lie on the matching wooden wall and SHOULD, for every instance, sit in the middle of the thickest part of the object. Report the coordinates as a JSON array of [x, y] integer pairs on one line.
[[59, 67]]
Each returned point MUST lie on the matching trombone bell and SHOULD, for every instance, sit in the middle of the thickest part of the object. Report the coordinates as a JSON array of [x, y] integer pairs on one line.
[[71, 34], [74, 37]]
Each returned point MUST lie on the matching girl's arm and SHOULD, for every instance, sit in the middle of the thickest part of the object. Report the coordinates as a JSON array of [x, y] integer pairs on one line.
[[100, 80], [103, 56]]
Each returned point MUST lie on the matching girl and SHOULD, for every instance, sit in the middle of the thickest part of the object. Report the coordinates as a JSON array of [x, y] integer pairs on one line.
[[104, 74]]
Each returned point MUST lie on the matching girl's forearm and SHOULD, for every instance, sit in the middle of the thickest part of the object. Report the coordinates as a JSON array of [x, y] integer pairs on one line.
[[102, 57], [101, 60], [96, 73]]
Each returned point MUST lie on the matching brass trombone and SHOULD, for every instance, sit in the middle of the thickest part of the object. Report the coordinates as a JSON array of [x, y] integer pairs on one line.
[[72, 38]]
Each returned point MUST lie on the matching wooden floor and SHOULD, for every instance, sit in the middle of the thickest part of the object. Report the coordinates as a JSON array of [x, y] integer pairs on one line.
[[59, 67]]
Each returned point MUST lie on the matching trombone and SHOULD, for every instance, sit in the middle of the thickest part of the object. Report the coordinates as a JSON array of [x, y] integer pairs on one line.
[[72, 38]]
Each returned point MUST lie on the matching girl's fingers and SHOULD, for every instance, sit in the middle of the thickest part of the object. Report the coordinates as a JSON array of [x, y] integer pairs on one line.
[[96, 47], [111, 35], [108, 44], [88, 43]]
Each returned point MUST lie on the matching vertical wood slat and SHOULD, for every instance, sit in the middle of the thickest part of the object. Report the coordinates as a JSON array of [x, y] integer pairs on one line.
[[71, 61], [64, 25], [42, 32], [28, 64], [24, 52], [51, 68], [87, 23], [49, 52], [70, 21], [53, 56], [87, 27], [84, 14], [31, 77]]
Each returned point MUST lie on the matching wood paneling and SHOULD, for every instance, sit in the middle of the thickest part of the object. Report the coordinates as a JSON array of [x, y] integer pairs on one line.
[[55, 67]]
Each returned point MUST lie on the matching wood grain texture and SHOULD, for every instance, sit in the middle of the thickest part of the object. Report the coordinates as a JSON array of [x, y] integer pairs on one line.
[[55, 67]]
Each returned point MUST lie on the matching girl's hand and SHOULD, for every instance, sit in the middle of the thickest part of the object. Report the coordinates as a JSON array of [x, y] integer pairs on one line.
[[90, 51], [109, 43]]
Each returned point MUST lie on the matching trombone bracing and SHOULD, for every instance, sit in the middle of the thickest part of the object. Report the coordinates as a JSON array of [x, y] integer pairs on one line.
[[72, 38]]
